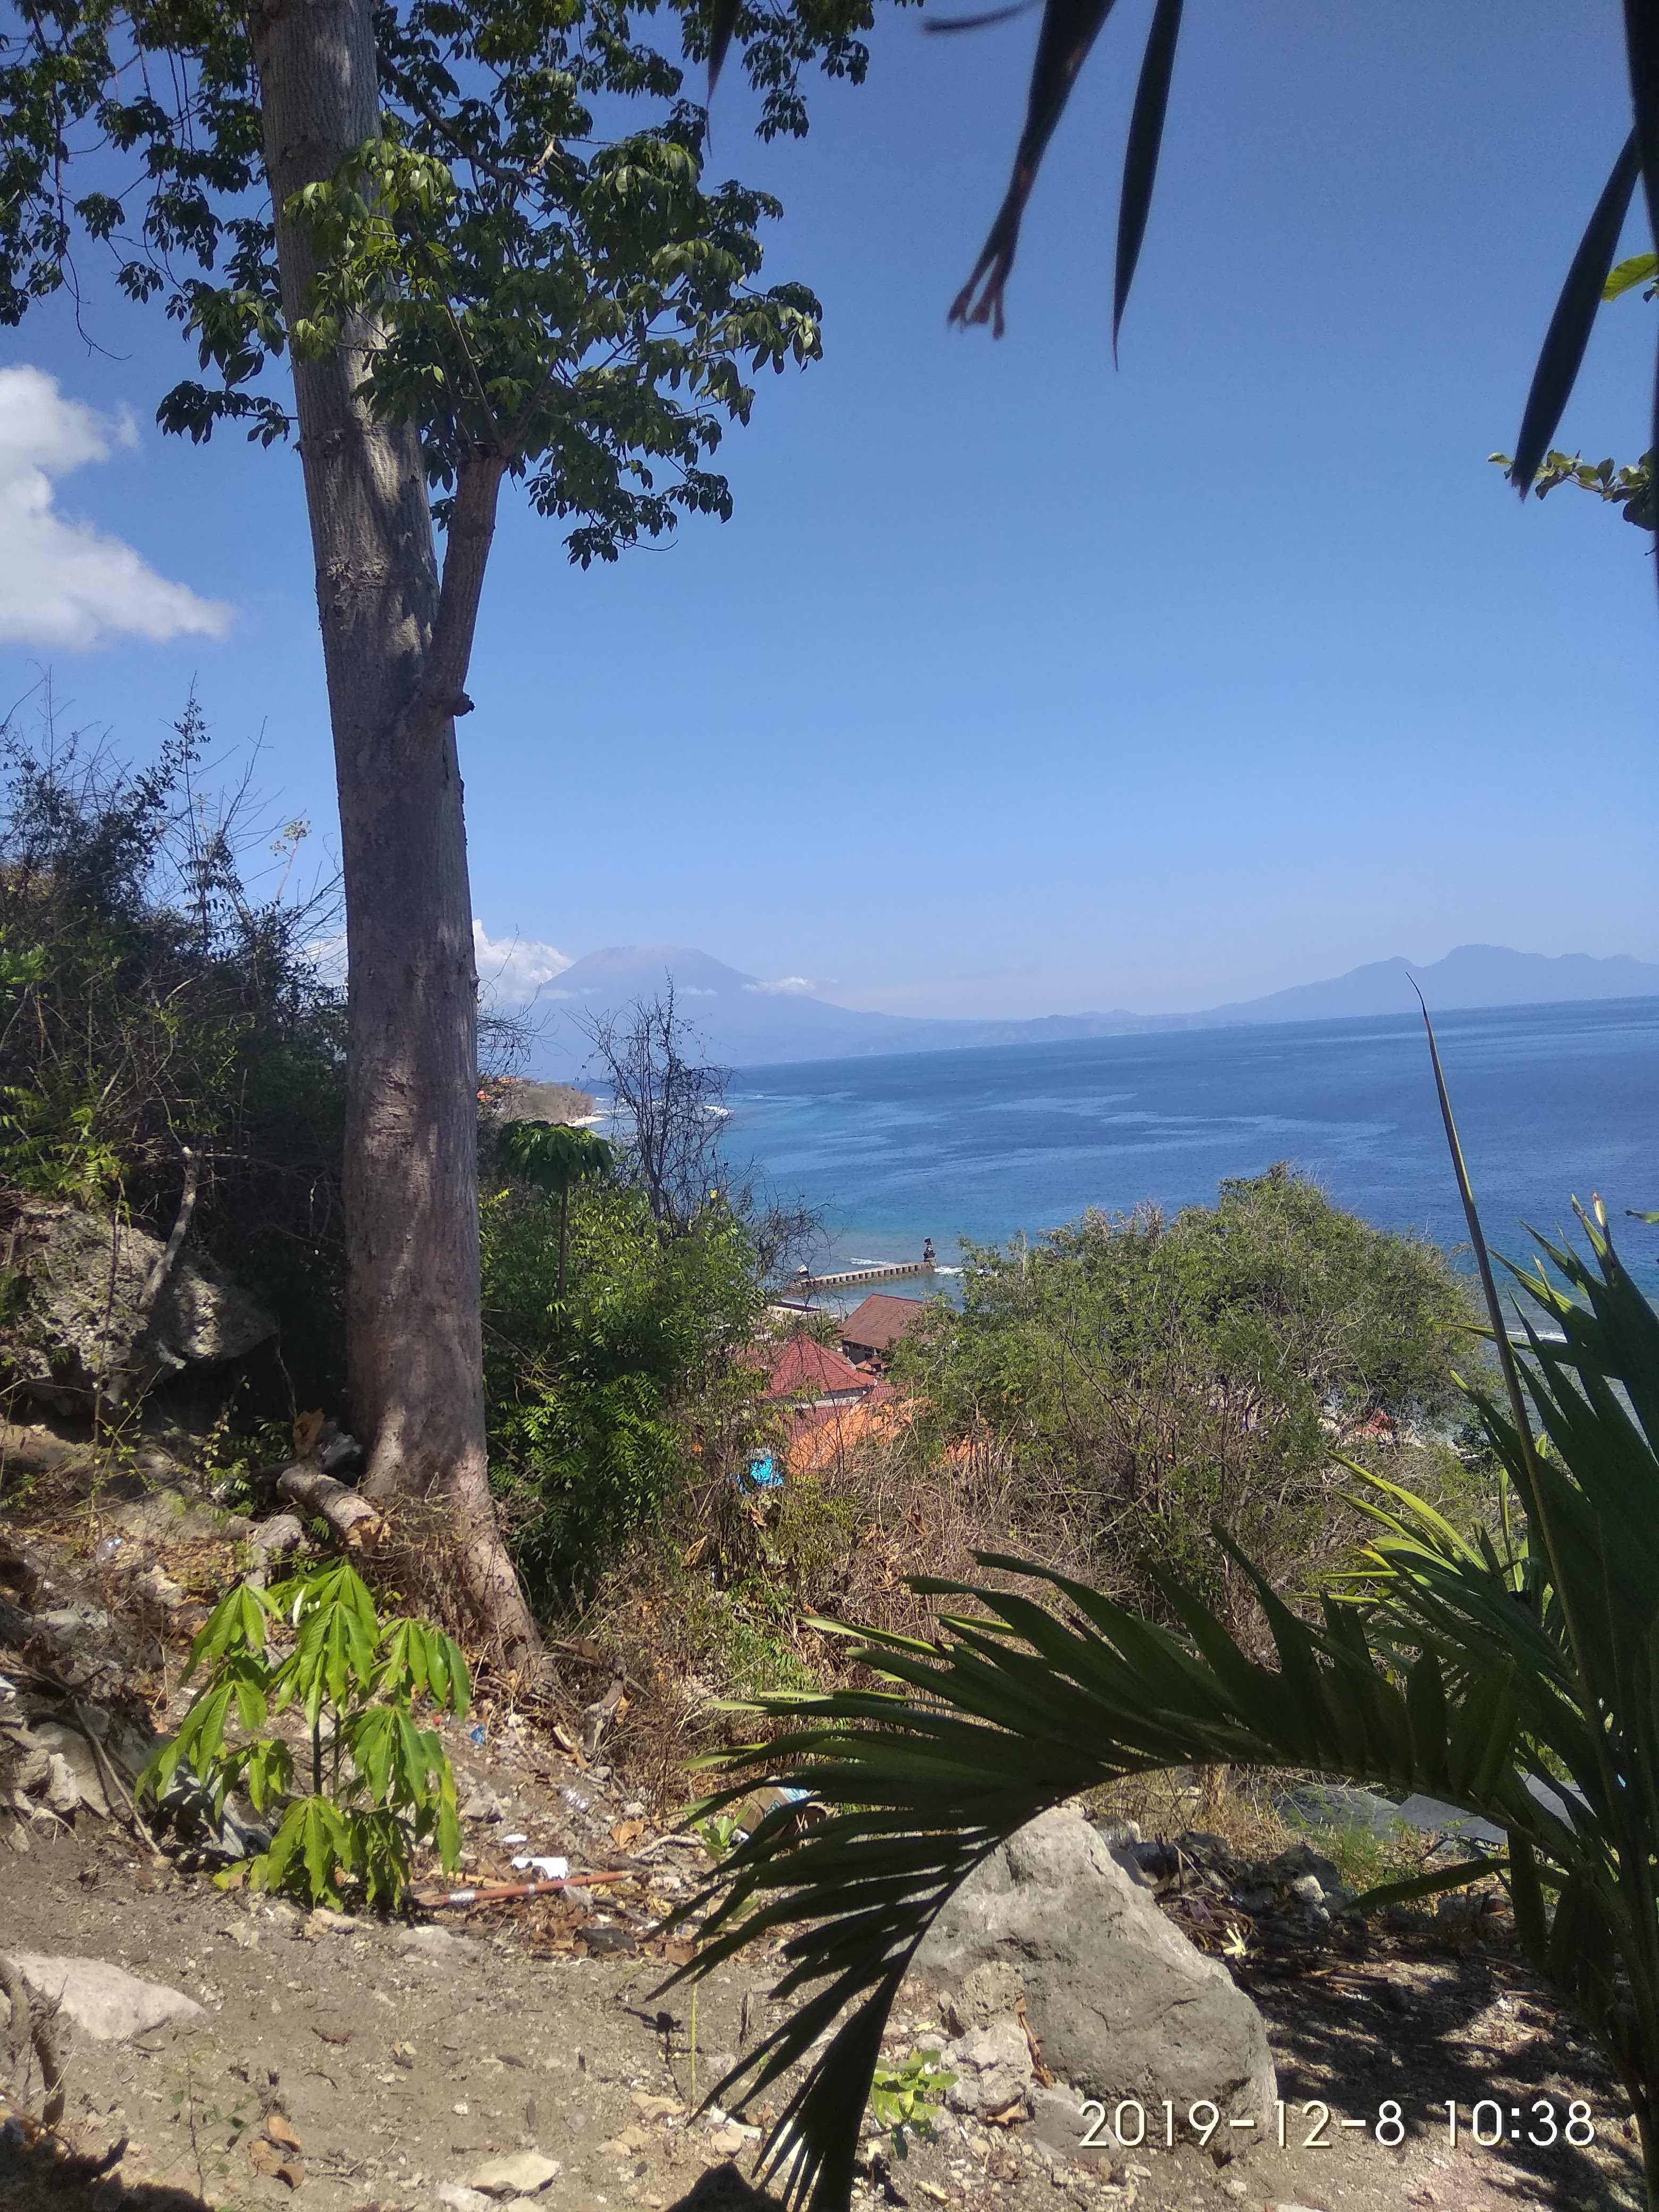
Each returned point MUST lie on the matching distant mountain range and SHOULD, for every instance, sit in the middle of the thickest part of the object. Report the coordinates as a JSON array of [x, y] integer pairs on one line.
[[751, 1023]]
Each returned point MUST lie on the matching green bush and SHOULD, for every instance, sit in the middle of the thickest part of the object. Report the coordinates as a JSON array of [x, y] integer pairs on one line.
[[1152, 1377], [379, 1784], [603, 1401]]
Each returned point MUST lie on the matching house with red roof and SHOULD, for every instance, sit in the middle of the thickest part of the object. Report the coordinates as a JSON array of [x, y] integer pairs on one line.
[[870, 1330], [827, 1404], [807, 1375]]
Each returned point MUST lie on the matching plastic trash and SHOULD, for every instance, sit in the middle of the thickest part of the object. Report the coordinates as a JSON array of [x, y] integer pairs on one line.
[[106, 1549], [516, 1839], [476, 1733], [549, 1870], [576, 1800]]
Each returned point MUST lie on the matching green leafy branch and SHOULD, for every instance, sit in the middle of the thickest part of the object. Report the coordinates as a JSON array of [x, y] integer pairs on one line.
[[903, 2099]]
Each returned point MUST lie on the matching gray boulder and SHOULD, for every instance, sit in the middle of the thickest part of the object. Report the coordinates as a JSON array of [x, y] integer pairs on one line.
[[1124, 2005], [107, 2002], [86, 1322]]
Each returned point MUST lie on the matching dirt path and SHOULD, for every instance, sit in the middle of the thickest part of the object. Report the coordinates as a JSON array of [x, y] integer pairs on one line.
[[401, 2061]]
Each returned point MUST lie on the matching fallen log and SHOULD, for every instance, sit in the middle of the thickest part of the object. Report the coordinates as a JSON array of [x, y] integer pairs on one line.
[[351, 1518]]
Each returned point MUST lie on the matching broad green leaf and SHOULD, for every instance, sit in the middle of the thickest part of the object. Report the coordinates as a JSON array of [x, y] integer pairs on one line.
[[1640, 269]]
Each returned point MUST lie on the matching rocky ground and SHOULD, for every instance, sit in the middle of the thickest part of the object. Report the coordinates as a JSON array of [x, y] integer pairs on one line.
[[521, 2053]]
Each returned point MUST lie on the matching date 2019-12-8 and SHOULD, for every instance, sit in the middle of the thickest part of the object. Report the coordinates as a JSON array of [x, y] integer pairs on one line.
[[1542, 2123]]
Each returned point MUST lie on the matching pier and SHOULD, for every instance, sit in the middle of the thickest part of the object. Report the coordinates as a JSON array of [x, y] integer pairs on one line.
[[849, 1279]]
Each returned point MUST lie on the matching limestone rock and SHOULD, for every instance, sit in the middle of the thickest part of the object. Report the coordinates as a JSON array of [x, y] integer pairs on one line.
[[435, 1944], [992, 2066], [81, 1782], [87, 1274], [1062, 2125], [519, 2175], [169, 1515], [25, 1762], [1124, 2005], [519, 1100], [107, 2002]]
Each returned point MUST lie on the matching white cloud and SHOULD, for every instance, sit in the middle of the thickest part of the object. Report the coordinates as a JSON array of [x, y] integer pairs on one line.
[[64, 583], [511, 970], [791, 987], [327, 956]]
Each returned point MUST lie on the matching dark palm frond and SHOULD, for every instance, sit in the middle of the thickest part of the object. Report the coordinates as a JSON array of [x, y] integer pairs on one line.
[[1070, 29], [1019, 1706], [1563, 352], [723, 17], [981, 22], [1140, 153], [1642, 48]]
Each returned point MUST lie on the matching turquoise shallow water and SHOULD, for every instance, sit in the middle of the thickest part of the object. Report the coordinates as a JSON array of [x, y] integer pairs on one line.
[[1550, 1100]]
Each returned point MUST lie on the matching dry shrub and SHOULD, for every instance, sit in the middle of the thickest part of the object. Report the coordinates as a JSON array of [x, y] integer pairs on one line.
[[1230, 1802], [720, 1600], [904, 1516]]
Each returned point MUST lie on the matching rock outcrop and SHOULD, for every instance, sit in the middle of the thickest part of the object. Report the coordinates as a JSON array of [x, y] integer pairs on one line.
[[92, 1322], [1122, 2005]]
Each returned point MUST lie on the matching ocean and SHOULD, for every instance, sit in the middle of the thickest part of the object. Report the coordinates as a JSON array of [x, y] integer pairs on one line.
[[1552, 1101]]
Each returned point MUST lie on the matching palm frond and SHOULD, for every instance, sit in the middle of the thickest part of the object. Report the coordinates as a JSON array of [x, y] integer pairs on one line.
[[1140, 153], [1642, 56], [1563, 352], [1069, 29]]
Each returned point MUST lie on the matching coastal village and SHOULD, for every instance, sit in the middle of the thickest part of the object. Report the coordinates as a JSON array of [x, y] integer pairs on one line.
[[830, 1400]]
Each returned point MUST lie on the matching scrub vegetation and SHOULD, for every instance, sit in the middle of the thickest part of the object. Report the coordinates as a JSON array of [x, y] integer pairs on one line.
[[1117, 1385], [1149, 1377]]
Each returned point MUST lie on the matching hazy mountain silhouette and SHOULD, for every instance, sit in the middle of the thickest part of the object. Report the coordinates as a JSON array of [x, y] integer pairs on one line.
[[750, 1022], [1471, 975]]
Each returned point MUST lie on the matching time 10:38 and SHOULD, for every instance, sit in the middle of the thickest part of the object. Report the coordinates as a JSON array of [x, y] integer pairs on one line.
[[1538, 2123]]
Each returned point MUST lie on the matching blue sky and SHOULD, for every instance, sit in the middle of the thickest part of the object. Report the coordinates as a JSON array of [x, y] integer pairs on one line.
[[1019, 684]]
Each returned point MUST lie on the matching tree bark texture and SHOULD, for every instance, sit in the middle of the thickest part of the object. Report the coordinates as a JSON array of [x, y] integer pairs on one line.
[[413, 1324]]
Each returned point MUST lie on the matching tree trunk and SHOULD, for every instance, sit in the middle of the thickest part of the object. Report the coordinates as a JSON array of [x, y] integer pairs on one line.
[[413, 1326]]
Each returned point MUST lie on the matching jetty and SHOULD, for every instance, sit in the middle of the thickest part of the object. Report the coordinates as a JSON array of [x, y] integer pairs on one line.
[[849, 1279]]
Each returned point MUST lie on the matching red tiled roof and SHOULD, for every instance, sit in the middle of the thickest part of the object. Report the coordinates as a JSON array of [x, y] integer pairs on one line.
[[806, 1369], [880, 1319], [820, 1437]]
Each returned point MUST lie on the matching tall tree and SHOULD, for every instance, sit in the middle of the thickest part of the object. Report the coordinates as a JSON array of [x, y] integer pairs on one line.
[[412, 201]]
